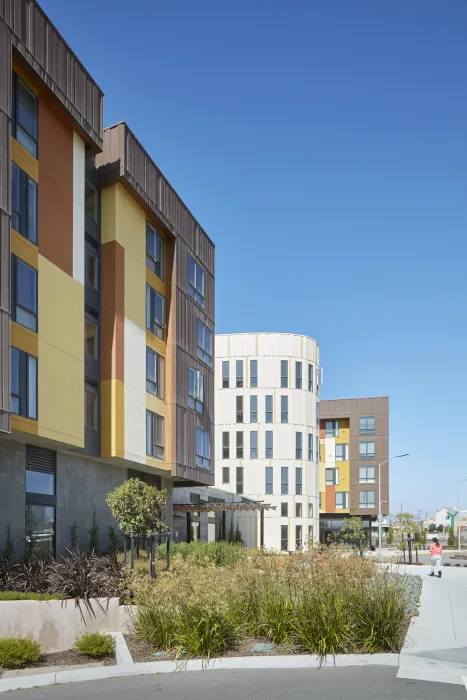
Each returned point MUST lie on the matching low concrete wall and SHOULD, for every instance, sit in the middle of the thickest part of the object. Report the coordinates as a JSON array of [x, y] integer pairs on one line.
[[125, 614], [55, 623]]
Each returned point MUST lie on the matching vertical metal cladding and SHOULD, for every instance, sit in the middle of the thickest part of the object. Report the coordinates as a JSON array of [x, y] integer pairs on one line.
[[5, 197]]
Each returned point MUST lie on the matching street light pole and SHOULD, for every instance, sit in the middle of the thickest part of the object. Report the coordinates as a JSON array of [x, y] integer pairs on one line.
[[380, 515], [459, 513]]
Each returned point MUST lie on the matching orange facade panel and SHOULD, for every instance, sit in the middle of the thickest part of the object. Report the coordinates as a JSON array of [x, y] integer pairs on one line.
[[330, 499]]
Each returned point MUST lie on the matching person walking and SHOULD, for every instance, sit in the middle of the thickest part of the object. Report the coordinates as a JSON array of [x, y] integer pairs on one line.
[[436, 558]]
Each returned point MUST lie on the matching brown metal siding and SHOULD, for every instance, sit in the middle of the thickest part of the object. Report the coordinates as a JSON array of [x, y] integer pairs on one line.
[[45, 50], [353, 409], [5, 198]]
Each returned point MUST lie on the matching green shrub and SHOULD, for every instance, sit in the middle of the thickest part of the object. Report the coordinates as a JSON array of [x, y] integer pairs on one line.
[[95, 645], [16, 652], [204, 631], [15, 595], [217, 553]]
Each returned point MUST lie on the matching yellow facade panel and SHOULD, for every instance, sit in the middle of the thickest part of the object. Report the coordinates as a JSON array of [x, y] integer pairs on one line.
[[344, 436], [24, 339], [157, 463], [61, 310], [112, 418], [155, 343], [322, 452], [135, 291], [24, 249], [60, 395], [155, 405], [155, 282], [344, 476], [21, 424], [24, 160], [130, 225]]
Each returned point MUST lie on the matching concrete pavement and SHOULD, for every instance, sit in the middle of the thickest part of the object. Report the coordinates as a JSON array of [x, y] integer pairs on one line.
[[326, 684]]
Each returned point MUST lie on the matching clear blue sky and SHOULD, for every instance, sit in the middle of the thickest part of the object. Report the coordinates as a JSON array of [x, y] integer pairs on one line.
[[323, 147]]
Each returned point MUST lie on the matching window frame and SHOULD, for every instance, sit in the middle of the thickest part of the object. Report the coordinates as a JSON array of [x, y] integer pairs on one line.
[[91, 390], [157, 329], [284, 374], [34, 313], [202, 460], [310, 510], [196, 393], [284, 509], [155, 387], [253, 408], [239, 445], [153, 263], [366, 455], [269, 398], [253, 374], [156, 424], [202, 350], [333, 430], [92, 250], [331, 476], [254, 448], [225, 444], [92, 320], [24, 215], [226, 475], [96, 192], [310, 447], [366, 431], [366, 479], [269, 449], [298, 445], [226, 378], [298, 374], [17, 82], [363, 505], [310, 377], [284, 481], [298, 537], [284, 538], [24, 384], [284, 409], [239, 408], [299, 510], [193, 291], [269, 483], [239, 377], [345, 452], [298, 481], [239, 481], [345, 500]]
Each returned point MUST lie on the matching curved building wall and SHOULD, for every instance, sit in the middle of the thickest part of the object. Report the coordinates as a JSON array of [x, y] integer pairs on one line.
[[288, 479]]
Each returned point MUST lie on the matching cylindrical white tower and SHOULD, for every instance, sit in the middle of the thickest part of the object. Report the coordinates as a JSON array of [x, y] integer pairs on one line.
[[267, 430]]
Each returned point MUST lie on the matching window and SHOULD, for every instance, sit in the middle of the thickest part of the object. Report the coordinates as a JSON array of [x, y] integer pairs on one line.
[[226, 475], [298, 445], [91, 404], [254, 374], [298, 537], [91, 201], [284, 409], [268, 481], [253, 409], [298, 375], [195, 390], [23, 294], [155, 435], [310, 533], [332, 476], [269, 444], [310, 510], [318, 380], [239, 444], [332, 428], [40, 501], [366, 475], [195, 281], [25, 115], [284, 374], [91, 264], [342, 499], [367, 499], [317, 414], [342, 453], [225, 445], [298, 510], [225, 374], [366, 425], [310, 377], [298, 480], [239, 403], [317, 450], [154, 251], [23, 384], [284, 481], [269, 409], [239, 373], [366, 450], [239, 485], [155, 364], [310, 447], [284, 538], [23, 204], [91, 336], [284, 510], [203, 449], [204, 344], [319, 504], [155, 312], [253, 444]]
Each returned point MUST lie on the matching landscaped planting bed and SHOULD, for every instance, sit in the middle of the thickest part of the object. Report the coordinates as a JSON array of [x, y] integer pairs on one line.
[[315, 602]]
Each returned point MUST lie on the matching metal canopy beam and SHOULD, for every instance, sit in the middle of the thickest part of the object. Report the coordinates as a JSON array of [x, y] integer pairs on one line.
[[207, 507]]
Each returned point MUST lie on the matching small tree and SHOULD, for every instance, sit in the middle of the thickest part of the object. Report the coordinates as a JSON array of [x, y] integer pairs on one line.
[[353, 531], [73, 535], [138, 509], [114, 544], [440, 528], [390, 536], [9, 547], [432, 527], [451, 538], [238, 535], [94, 533], [231, 535]]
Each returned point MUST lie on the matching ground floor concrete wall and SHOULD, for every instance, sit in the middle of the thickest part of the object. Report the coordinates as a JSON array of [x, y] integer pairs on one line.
[[12, 493]]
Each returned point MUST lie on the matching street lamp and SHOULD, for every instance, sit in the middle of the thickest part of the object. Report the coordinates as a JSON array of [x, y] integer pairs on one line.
[[380, 515], [459, 513]]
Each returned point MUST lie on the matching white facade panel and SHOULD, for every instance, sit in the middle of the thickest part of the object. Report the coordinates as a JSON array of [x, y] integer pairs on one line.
[[300, 488], [135, 392]]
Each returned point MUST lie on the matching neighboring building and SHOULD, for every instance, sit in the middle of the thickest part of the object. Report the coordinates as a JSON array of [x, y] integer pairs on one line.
[[354, 439], [267, 437], [111, 302], [443, 518]]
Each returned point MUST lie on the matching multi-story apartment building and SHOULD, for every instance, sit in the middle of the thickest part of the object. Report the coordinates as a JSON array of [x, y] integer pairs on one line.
[[267, 429], [107, 317], [354, 439]]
